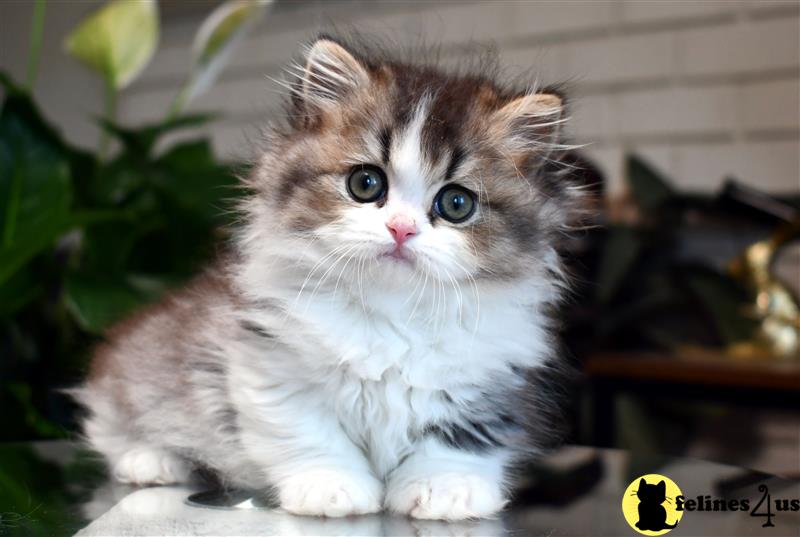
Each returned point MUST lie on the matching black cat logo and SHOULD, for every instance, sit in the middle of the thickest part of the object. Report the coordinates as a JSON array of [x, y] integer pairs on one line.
[[652, 515], [648, 504]]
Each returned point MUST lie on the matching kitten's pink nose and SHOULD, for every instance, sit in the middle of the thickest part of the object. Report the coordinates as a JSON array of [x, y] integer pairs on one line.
[[402, 228]]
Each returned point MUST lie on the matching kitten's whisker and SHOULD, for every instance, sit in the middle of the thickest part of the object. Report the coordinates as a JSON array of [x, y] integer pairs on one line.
[[431, 317], [283, 84], [453, 281], [417, 281], [422, 291], [361, 264], [476, 292], [441, 300], [344, 267], [318, 264], [298, 259], [459, 297], [329, 270], [316, 267]]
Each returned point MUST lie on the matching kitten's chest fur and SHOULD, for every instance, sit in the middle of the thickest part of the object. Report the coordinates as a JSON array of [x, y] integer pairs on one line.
[[391, 372], [438, 344]]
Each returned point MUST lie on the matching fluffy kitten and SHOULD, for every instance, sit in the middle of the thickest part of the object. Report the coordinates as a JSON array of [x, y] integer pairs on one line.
[[378, 338]]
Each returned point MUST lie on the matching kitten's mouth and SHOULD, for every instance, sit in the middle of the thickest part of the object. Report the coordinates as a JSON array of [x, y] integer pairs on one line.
[[399, 255]]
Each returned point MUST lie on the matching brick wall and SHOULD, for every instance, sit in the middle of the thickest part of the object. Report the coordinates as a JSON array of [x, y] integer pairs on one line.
[[703, 89]]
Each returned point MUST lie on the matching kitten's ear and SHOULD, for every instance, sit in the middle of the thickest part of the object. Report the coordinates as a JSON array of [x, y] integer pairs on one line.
[[662, 486], [642, 482], [329, 74], [530, 122]]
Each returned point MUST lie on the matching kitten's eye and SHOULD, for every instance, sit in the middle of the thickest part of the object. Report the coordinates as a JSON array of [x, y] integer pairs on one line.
[[454, 203], [366, 184]]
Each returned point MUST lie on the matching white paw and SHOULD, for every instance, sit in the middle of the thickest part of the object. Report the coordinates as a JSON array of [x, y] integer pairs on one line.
[[451, 496], [330, 493], [150, 466]]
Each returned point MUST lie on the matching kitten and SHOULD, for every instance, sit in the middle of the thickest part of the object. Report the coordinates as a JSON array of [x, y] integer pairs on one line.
[[380, 337]]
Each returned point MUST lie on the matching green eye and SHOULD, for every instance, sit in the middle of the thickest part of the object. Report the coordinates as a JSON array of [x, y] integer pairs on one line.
[[454, 203], [366, 184]]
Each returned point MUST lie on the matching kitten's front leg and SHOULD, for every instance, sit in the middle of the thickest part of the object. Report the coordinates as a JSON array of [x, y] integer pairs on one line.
[[315, 468], [440, 482], [330, 490]]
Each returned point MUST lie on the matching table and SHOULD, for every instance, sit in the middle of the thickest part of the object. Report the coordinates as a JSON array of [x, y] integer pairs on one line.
[[693, 376], [57, 488]]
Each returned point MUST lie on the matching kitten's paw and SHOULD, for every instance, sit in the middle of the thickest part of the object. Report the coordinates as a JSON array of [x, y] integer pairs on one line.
[[450, 496], [151, 466], [330, 493]]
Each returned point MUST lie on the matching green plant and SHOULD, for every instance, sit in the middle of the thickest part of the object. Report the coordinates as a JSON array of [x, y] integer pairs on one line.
[[87, 237], [650, 297]]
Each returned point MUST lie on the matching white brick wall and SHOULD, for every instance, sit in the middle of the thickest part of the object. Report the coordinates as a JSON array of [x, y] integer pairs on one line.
[[703, 88], [742, 47], [761, 111], [645, 11]]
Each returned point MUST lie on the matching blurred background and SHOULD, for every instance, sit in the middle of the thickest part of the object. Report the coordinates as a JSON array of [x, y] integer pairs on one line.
[[123, 125]]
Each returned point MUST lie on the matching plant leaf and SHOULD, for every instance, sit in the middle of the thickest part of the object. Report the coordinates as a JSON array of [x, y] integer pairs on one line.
[[35, 190], [622, 249], [9, 86], [19, 290], [218, 36], [95, 302], [82, 164], [724, 302], [142, 139], [19, 101], [194, 180], [118, 40], [648, 187]]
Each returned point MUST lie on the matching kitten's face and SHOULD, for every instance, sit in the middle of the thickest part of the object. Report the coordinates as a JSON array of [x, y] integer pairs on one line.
[[404, 171]]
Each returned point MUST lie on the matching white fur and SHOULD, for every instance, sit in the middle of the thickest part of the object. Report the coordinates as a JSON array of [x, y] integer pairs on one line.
[[347, 385], [410, 184], [436, 482], [364, 350], [146, 465], [330, 492], [332, 410]]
